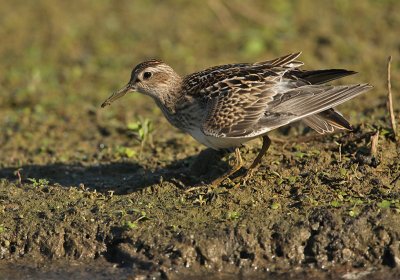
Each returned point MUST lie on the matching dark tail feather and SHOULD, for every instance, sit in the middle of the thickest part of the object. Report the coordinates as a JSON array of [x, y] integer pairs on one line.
[[316, 77], [327, 121], [336, 119]]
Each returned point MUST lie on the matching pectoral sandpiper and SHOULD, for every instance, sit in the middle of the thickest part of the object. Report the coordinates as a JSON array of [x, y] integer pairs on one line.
[[225, 106]]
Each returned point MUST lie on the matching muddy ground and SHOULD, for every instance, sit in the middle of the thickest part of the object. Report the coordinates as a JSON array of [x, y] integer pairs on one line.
[[101, 192]]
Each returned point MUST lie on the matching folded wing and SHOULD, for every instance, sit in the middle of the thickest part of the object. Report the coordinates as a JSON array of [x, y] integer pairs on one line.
[[259, 97]]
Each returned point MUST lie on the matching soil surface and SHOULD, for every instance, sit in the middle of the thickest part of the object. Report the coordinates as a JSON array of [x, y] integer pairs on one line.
[[101, 193]]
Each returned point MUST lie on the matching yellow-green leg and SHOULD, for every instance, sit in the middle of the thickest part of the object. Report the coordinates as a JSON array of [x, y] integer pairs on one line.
[[253, 167], [238, 164]]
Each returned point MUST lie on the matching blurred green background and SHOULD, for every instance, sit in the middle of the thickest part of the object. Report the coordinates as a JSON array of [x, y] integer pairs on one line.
[[61, 59]]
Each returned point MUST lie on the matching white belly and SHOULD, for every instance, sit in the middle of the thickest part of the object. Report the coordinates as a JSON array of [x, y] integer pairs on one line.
[[217, 143]]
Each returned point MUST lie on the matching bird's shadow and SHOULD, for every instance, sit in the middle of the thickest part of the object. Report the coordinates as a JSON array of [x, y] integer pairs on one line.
[[124, 177]]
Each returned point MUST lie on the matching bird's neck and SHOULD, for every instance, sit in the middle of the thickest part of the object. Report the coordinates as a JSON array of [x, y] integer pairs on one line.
[[170, 98]]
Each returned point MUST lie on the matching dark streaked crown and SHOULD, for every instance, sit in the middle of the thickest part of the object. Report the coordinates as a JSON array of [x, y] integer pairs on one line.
[[141, 66]]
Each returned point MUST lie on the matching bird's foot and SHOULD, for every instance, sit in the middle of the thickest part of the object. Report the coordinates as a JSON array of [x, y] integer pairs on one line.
[[246, 176]]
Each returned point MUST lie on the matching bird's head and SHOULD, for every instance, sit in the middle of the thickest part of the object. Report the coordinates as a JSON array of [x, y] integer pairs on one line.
[[153, 78]]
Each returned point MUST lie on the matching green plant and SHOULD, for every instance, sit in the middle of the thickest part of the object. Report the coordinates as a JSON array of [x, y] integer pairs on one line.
[[38, 182], [232, 215], [384, 204], [143, 128], [275, 206], [125, 151], [129, 224]]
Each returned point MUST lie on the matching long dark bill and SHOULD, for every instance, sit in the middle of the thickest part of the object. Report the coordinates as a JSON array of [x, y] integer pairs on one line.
[[117, 94]]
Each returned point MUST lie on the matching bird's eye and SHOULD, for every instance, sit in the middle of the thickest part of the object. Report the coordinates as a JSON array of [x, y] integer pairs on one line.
[[146, 75]]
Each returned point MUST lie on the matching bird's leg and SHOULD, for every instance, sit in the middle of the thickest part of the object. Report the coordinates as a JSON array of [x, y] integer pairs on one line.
[[253, 167], [238, 164]]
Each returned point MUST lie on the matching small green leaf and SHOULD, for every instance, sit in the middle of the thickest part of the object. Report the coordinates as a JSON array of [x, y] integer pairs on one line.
[[133, 126], [275, 205], [233, 215], [292, 179], [355, 201], [141, 133], [353, 213], [32, 180], [130, 225], [38, 182], [384, 132], [125, 152], [335, 203], [130, 152], [300, 154], [384, 204]]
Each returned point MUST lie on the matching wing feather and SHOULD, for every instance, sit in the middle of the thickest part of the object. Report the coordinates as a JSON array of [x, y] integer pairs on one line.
[[236, 114], [327, 121], [314, 100], [318, 124], [284, 61]]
